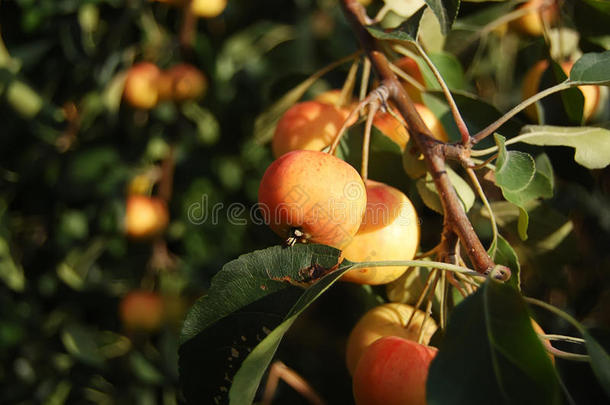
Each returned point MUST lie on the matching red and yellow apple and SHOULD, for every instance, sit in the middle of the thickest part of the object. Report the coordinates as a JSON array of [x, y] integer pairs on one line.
[[141, 311], [386, 320], [141, 85], [317, 194], [531, 84], [145, 217], [532, 23], [308, 125], [389, 231], [393, 371]]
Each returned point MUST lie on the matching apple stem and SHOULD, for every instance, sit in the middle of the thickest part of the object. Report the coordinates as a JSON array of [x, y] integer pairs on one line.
[[484, 133], [279, 371], [366, 142], [492, 218], [457, 117], [420, 335], [364, 80]]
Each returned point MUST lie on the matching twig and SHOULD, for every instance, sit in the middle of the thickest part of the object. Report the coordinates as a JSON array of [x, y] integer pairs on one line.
[[430, 147]]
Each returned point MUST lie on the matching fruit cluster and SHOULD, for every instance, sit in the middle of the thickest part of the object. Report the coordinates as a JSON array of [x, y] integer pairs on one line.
[[309, 195], [146, 85]]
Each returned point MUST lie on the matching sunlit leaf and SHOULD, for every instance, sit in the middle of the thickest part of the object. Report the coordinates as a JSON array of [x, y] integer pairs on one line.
[[446, 11], [514, 170], [591, 144]]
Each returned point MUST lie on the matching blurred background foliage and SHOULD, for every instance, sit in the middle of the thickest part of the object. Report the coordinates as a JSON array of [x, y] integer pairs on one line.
[[69, 148]]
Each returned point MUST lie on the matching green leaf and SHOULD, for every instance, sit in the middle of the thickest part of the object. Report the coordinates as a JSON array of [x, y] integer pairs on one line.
[[492, 330], [601, 5], [514, 170], [450, 69], [600, 361], [591, 144], [81, 342], [407, 31], [503, 253], [247, 299], [446, 11], [430, 196], [248, 377], [10, 271], [265, 123], [592, 68]]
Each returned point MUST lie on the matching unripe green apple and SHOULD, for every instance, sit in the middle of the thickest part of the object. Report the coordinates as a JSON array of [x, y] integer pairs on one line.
[[532, 23], [145, 217], [309, 125], [141, 311], [531, 84], [393, 371], [314, 193], [386, 320], [141, 85], [389, 231], [208, 8]]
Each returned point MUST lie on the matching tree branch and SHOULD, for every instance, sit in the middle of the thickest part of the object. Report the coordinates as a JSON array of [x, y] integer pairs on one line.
[[433, 150]]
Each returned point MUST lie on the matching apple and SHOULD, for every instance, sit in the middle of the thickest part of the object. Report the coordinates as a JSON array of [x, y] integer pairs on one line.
[[313, 196], [391, 127], [141, 311], [333, 97], [410, 67], [385, 320], [145, 217], [308, 125], [531, 23], [531, 84], [141, 85], [185, 82], [208, 8], [389, 231], [393, 371]]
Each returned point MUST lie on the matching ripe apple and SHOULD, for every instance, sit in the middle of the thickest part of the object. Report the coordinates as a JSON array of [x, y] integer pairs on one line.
[[531, 23], [308, 125], [391, 127], [333, 97], [208, 8], [410, 67], [186, 82], [141, 85], [389, 231], [393, 371], [145, 216], [531, 83], [141, 311], [318, 195], [385, 320]]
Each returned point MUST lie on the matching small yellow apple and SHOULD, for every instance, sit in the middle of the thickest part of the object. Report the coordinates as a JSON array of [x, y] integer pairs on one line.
[[141, 85], [389, 231], [208, 8], [145, 217]]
